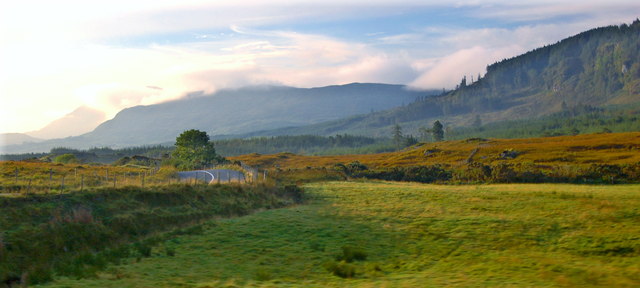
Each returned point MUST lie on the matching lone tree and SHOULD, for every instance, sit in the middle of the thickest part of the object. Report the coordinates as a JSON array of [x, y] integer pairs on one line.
[[437, 132], [397, 135], [194, 150], [477, 122]]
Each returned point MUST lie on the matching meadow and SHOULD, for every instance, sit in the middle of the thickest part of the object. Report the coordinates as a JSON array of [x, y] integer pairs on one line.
[[36, 177], [392, 234], [577, 151], [589, 159]]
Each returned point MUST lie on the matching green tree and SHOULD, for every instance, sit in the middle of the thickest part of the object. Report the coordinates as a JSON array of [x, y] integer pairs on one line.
[[397, 135], [437, 132], [477, 122], [425, 134], [194, 150], [66, 159], [410, 140]]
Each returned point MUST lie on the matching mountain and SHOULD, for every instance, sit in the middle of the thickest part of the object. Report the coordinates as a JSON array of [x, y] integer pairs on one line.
[[81, 120], [16, 139], [596, 68], [235, 111]]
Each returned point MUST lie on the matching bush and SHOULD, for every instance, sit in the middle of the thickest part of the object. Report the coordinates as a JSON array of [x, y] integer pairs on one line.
[[423, 174], [263, 275], [350, 253], [341, 269], [66, 159]]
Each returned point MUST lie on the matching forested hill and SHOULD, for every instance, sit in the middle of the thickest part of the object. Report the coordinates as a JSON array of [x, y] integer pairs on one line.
[[596, 68]]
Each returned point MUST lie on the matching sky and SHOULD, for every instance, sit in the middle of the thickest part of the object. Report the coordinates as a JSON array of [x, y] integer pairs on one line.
[[56, 56]]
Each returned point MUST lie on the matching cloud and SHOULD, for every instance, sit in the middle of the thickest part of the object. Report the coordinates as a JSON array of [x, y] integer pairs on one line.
[[446, 72], [55, 59], [467, 52]]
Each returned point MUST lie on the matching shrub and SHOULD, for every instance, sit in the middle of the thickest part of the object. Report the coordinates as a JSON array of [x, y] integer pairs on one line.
[[350, 253], [143, 249], [170, 251], [263, 275], [341, 269], [66, 159]]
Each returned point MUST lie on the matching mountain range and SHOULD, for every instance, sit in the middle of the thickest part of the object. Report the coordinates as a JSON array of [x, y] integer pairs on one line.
[[596, 68], [233, 111]]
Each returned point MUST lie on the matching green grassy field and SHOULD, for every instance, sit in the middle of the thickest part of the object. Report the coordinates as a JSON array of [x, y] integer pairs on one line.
[[407, 235]]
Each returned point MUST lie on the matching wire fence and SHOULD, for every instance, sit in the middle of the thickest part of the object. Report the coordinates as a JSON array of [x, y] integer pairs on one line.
[[22, 177]]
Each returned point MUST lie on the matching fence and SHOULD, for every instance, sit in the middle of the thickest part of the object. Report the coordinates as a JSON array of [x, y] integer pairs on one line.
[[54, 180], [226, 173], [25, 177]]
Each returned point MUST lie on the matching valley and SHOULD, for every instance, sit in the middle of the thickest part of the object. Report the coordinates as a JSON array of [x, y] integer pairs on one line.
[[526, 176]]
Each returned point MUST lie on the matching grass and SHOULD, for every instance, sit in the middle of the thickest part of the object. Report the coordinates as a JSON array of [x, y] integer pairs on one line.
[[407, 235], [79, 233], [581, 150], [42, 177]]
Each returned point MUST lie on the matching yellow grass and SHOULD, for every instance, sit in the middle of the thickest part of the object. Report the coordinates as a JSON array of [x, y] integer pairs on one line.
[[42, 177], [613, 148]]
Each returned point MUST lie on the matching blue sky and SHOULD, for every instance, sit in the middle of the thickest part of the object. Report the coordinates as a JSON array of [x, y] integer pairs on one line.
[[109, 55]]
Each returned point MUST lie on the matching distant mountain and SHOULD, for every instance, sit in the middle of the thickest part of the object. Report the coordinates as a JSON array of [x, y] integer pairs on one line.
[[233, 112], [80, 121], [16, 139], [597, 68]]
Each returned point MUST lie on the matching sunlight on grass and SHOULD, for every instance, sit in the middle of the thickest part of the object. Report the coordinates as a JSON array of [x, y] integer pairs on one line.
[[408, 235]]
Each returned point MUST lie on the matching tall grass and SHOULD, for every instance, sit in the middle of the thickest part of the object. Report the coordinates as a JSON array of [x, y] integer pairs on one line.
[[385, 234], [77, 234], [19, 177]]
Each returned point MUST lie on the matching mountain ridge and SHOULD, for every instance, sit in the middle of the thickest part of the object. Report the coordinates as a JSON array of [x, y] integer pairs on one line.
[[234, 111], [598, 67]]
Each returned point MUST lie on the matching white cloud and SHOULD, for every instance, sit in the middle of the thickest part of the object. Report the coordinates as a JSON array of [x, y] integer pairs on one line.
[[467, 52], [446, 72], [113, 78], [54, 57]]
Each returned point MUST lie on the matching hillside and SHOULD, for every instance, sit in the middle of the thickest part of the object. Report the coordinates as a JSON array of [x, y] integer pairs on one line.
[[16, 139], [79, 121], [234, 112], [596, 68]]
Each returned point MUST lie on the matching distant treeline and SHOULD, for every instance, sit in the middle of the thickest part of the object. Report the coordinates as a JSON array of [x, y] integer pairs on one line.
[[579, 119], [94, 155], [582, 119], [302, 144], [305, 144]]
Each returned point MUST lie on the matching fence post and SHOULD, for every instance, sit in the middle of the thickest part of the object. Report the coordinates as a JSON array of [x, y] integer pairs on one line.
[[106, 178], [17, 171], [50, 180], [114, 180], [81, 182], [29, 187]]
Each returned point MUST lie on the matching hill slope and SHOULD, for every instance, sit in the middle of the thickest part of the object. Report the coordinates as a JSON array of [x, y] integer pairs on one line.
[[16, 139], [81, 120], [234, 112], [597, 68]]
